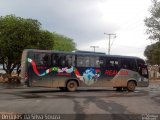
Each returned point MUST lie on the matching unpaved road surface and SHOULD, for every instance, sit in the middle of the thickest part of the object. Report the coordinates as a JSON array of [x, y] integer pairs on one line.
[[83, 102]]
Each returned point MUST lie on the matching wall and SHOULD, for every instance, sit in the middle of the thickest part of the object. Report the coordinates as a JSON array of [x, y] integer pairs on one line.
[[154, 72]]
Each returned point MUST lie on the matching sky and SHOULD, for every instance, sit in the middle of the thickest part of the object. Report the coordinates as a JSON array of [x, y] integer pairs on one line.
[[86, 21]]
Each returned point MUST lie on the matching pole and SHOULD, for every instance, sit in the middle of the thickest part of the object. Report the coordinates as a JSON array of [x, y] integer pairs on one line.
[[109, 42], [109, 45], [94, 47]]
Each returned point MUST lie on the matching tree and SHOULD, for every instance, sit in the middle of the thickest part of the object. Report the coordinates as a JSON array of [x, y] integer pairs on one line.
[[152, 52], [153, 22], [16, 34], [63, 43]]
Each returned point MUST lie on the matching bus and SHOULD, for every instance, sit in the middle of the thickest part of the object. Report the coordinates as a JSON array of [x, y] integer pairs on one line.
[[69, 70]]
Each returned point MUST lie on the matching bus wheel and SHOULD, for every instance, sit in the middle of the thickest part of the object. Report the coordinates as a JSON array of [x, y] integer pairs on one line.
[[131, 86], [62, 88], [72, 85]]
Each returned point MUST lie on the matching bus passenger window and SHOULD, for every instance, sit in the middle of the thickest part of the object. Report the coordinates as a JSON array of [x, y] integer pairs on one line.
[[61, 61], [101, 62], [113, 63], [97, 63], [46, 60], [142, 68], [83, 61], [55, 60], [42, 59], [89, 61], [80, 61], [58, 60], [70, 60], [94, 61], [128, 63]]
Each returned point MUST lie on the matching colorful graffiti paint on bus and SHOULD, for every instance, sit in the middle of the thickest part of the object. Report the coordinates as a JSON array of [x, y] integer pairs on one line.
[[53, 69], [89, 76]]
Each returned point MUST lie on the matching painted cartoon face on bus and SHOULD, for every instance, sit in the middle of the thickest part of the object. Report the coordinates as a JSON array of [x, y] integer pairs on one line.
[[90, 76]]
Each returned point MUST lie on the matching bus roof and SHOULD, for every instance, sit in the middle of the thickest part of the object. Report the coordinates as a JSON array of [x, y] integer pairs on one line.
[[82, 53]]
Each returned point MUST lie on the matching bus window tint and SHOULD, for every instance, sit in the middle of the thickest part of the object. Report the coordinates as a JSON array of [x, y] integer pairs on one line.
[[142, 68], [42, 59], [113, 63], [70, 60], [89, 61], [58, 60], [94, 61], [46, 60], [82, 61], [129, 64], [102, 62], [62, 60]]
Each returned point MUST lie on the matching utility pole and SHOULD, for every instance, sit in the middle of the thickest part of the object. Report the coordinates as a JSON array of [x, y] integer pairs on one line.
[[109, 43], [94, 47]]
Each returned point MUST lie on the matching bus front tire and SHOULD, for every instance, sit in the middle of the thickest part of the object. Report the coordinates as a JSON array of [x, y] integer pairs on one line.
[[71, 85], [131, 86]]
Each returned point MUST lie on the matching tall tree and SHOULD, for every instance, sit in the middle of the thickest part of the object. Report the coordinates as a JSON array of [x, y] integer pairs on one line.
[[63, 43], [152, 52], [153, 22], [16, 34]]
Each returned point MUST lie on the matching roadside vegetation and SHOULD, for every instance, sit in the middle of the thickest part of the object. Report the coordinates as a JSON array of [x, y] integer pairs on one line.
[[152, 52], [17, 34]]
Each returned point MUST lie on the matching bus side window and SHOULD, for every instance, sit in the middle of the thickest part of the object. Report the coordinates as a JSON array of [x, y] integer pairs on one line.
[[142, 68], [113, 63], [31, 55], [97, 62], [70, 60], [128, 63], [42, 59], [46, 60], [62, 61], [86, 62], [102, 62], [83, 61], [80, 61], [117, 64], [94, 61], [58, 60], [89, 61], [55, 60]]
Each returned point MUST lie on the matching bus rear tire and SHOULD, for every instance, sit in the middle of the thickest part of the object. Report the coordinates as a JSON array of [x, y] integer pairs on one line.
[[71, 85], [131, 86]]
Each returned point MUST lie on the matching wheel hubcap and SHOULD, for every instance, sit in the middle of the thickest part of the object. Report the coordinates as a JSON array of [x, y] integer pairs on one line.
[[71, 85], [131, 86]]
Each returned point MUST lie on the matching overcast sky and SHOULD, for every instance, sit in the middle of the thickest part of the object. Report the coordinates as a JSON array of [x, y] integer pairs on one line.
[[86, 21]]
